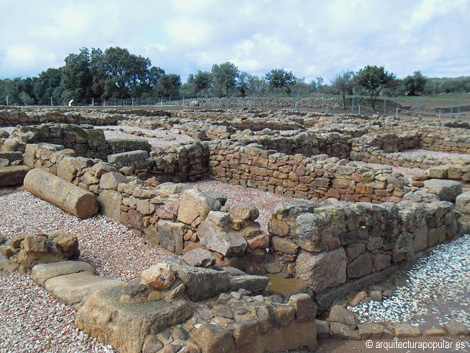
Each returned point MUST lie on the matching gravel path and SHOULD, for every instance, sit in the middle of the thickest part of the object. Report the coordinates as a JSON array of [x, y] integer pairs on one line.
[[157, 138], [438, 287]]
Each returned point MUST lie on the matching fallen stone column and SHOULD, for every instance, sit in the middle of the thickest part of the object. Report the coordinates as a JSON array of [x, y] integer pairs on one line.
[[61, 193]]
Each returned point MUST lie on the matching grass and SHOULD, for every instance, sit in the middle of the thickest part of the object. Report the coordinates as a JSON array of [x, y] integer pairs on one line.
[[435, 101]]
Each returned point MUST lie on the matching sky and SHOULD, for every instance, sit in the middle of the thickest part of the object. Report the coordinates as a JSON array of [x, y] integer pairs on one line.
[[311, 38]]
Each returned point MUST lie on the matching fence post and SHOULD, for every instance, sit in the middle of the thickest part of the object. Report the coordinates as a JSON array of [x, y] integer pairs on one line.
[[322, 104], [459, 103], [359, 109], [396, 112], [385, 106], [51, 102], [352, 104]]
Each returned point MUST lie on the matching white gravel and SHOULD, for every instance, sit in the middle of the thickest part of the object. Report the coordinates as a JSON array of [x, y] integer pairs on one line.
[[438, 280], [157, 138], [114, 250], [30, 319]]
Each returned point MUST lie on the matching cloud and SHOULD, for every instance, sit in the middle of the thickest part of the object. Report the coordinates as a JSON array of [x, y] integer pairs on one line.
[[311, 38]]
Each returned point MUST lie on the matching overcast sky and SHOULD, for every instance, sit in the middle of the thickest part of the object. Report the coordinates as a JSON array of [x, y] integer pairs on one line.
[[310, 37]]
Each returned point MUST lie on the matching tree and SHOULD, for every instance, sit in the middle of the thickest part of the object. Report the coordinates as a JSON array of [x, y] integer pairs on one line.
[[202, 81], [374, 79], [98, 72], [243, 84], [168, 85], [281, 79], [47, 86], [344, 83], [77, 78], [256, 84], [126, 74], [224, 77], [18, 91], [414, 85]]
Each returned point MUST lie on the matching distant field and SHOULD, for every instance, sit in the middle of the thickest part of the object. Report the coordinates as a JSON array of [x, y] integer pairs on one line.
[[436, 101]]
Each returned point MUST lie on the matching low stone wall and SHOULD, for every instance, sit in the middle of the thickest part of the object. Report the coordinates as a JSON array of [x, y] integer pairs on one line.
[[306, 143], [446, 141], [180, 163], [382, 148], [83, 139], [339, 247], [317, 177], [28, 116]]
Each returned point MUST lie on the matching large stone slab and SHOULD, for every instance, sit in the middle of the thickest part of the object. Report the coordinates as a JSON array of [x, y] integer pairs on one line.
[[72, 289], [126, 325], [202, 283], [194, 204], [13, 175], [446, 190], [227, 243], [462, 203], [249, 282], [171, 236], [11, 156], [125, 157], [110, 204], [42, 272], [61, 193], [322, 270]]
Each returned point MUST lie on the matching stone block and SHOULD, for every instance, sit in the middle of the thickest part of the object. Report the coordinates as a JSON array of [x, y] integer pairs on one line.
[[462, 203], [361, 266], [42, 272], [110, 181], [305, 308], [322, 270], [199, 257], [446, 190], [194, 204], [171, 235], [110, 204], [228, 243], [13, 175]]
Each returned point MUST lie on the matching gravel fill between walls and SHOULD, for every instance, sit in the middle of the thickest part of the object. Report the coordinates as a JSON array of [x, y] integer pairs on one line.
[[438, 280]]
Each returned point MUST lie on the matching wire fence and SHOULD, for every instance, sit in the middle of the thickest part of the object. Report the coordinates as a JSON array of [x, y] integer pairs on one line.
[[453, 108]]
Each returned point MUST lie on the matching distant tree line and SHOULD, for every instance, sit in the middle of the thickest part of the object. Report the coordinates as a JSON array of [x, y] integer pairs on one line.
[[97, 76]]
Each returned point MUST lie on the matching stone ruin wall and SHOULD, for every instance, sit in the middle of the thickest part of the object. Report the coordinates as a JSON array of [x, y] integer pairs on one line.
[[360, 241], [339, 246], [29, 116], [317, 177], [365, 239], [83, 139]]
